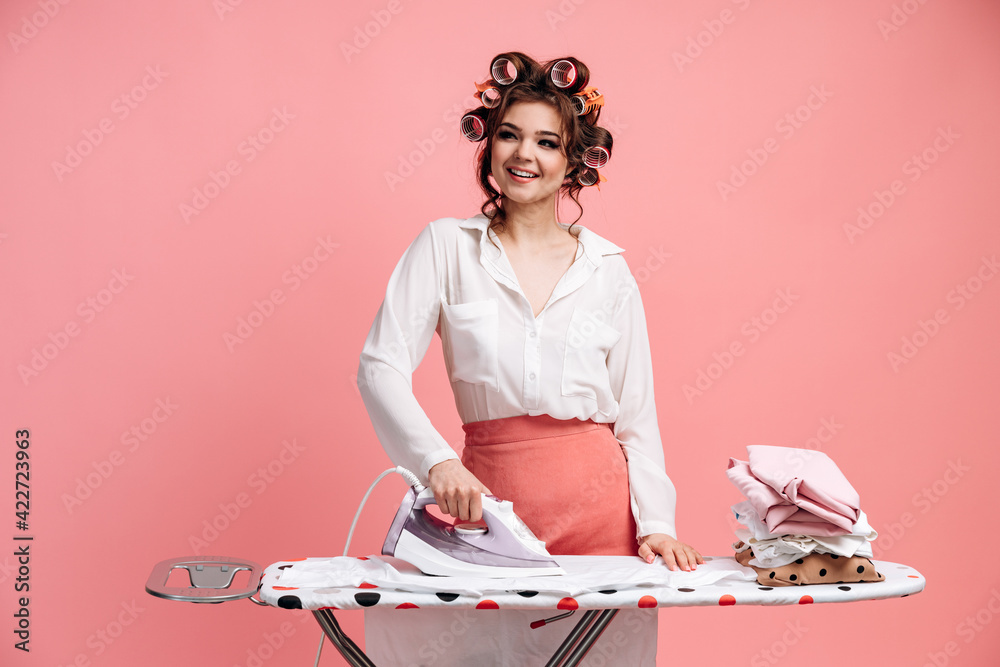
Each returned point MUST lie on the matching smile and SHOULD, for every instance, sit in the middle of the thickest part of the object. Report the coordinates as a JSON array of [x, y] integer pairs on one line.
[[521, 174]]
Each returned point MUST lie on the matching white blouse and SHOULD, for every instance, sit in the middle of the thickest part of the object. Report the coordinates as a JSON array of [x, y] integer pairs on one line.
[[585, 356]]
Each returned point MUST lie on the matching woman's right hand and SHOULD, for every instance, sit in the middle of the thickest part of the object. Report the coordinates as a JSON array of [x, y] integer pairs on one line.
[[456, 490]]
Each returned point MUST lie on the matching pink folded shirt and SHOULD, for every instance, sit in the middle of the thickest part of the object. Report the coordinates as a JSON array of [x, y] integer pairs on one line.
[[796, 491]]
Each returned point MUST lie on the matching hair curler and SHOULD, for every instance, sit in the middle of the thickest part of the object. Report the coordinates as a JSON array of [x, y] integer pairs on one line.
[[587, 177], [490, 97], [590, 177], [588, 100], [504, 70], [473, 127], [487, 94], [596, 157], [563, 74]]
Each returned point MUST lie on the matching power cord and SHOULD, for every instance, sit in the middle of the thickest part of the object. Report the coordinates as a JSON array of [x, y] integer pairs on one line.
[[412, 480]]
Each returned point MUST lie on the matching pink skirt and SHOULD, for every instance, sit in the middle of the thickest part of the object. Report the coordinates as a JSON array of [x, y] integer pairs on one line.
[[568, 480]]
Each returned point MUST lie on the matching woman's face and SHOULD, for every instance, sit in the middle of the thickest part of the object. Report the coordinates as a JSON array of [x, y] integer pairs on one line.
[[529, 160]]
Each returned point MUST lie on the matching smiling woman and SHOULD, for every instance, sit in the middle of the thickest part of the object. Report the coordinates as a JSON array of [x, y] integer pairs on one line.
[[545, 343]]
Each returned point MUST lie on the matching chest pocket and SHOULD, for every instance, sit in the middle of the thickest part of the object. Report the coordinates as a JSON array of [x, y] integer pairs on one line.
[[585, 362], [472, 330]]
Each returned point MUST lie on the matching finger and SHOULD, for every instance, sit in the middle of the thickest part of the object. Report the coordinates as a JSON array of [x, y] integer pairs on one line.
[[476, 507], [646, 553], [464, 501], [682, 560], [669, 559], [442, 504]]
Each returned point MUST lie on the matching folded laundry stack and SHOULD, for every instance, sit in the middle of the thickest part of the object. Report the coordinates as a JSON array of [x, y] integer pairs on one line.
[[802, 519]]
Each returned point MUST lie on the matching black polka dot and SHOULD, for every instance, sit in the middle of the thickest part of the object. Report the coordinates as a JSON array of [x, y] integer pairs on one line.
[[765, 588], [771, 576], [799, 561], [822, 572], [527, 594], [861, 568], [447, 597], [834, 556], [609, 591], [686, 590], [289, 602], [284, 567], [844, 588], [367, 599], [793, 577]]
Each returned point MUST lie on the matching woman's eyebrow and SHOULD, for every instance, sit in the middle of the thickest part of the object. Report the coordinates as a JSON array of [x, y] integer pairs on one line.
[[517, 129]]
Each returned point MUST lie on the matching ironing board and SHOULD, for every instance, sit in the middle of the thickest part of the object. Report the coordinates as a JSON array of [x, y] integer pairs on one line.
[[599, 606]]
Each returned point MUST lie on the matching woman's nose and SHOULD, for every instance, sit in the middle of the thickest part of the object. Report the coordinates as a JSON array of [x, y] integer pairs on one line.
[[523, 151]]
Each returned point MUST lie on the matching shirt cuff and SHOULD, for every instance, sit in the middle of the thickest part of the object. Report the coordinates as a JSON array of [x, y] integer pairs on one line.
[[650, 527], [432, 460]]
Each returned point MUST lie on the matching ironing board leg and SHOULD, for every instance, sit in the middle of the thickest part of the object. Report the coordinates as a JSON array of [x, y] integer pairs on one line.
[[599, 619], [352, 654], [595, 631]]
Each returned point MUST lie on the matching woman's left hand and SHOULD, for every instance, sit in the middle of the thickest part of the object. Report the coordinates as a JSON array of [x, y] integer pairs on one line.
[[675, 553]]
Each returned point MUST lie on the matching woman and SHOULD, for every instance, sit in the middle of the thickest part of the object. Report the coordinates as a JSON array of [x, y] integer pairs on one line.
[[544, 337]]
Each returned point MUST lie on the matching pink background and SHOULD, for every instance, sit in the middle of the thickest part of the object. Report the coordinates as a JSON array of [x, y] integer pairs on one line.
[[129, 308]]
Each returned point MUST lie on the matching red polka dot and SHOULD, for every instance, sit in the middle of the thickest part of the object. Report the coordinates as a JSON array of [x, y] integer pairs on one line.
[[913, 576], [362, 557], [727, 600], [285, 588], [330, 607], [568, 604], [487, 604], [647, 602], [365, 584], [407, 605], [806, 599]]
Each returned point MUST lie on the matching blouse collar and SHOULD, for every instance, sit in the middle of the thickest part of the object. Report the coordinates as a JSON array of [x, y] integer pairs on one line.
[[594, 245], [496, 264]]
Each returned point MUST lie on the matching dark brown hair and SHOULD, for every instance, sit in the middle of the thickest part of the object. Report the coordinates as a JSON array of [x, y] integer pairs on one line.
[[534, 84]]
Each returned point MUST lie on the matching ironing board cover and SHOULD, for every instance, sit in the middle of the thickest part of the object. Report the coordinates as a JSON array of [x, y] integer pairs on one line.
[[626, 582]]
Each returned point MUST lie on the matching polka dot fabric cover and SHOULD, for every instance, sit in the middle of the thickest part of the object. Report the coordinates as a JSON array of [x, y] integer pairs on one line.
[[898, 581], [815, 568]]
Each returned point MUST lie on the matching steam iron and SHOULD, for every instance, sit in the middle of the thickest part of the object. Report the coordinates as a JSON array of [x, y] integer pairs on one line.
[[505, 547]]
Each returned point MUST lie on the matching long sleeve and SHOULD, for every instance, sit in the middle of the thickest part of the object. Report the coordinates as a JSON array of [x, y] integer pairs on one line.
[[398, 339], [654, 497]]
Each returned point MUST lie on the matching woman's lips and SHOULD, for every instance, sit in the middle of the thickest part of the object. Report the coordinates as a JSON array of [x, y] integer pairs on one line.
[[521, 179]]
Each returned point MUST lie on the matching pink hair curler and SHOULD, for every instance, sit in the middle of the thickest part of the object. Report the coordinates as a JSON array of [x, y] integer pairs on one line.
[[490, 97], [473, 127], [596, 157], [563, 74], [504, 71], [588, 177]]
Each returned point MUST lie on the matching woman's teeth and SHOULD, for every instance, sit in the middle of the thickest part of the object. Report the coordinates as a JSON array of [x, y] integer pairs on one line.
[[522, 174]]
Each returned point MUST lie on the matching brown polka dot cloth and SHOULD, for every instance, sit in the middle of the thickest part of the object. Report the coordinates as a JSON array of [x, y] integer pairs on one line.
[[815, 568]]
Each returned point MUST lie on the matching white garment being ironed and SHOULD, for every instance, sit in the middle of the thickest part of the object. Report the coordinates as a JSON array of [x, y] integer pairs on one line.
[[584, 574], [585, 356]]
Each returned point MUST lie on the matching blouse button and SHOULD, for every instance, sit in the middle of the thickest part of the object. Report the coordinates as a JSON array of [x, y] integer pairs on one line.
[[531, 376], [532, 334]]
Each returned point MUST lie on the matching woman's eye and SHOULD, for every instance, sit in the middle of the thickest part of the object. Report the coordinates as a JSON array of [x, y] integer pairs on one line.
[[505, 134]]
